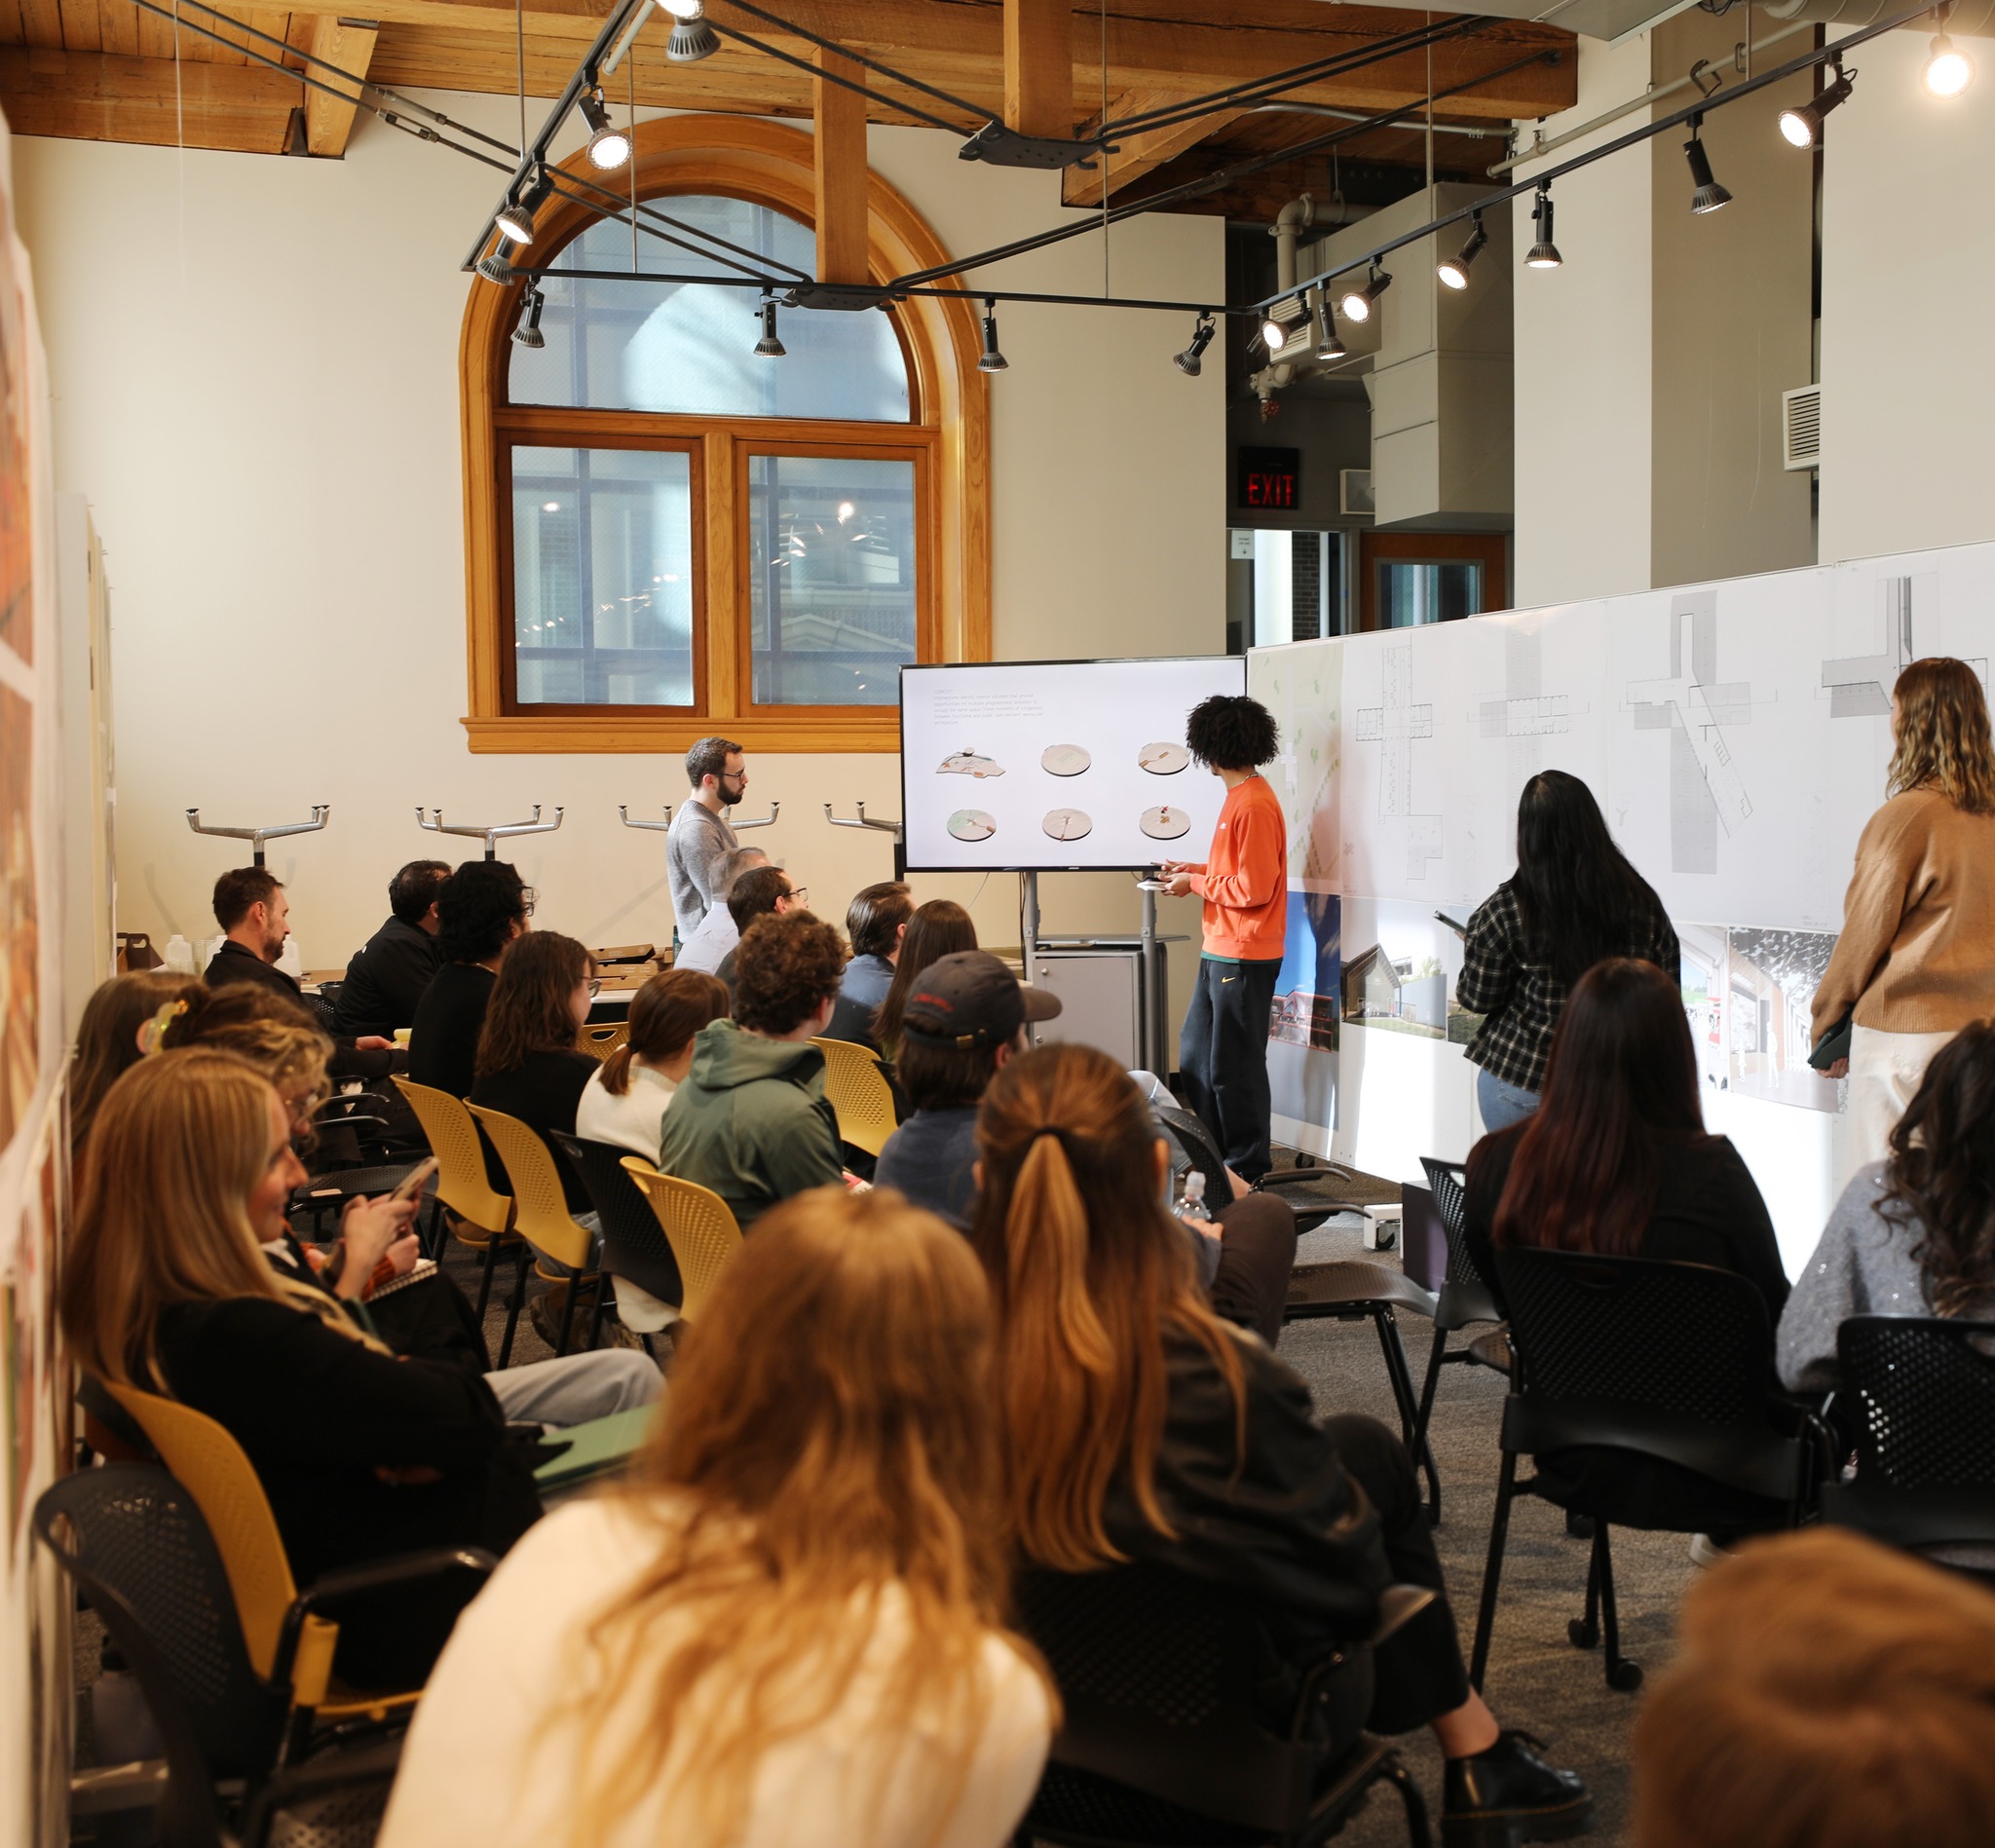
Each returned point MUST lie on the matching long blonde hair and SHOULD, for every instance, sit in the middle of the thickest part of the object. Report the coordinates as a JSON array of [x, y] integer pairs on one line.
[[828, 1441], [1089, 1276], [1943, 735], [107, 1036], [272, 1034], [163, 1219]]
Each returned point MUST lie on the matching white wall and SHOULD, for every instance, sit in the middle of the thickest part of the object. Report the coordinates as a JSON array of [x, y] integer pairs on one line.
[[254, 370], [1908, 273], [1583, 403]]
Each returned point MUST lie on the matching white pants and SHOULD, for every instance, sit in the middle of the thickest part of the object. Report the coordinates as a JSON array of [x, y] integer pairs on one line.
[[1886, 1069], [575, 1388]]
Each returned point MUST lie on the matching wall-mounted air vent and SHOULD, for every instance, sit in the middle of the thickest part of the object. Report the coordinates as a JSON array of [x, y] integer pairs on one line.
[[1801, 427], [1354, 492]]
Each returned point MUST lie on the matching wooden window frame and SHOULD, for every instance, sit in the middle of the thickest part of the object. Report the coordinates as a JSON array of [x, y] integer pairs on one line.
[[1490, 550], [949, 440]]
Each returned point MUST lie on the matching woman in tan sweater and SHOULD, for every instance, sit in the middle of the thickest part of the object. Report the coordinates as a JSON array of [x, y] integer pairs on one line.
[[1916, 957]]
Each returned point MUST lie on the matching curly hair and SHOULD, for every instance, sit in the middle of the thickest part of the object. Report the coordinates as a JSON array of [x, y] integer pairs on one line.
[[786, 968], [532, 1008], [274, 1035], [1943, 735], [1231, 731], [476, 908], [1939, 1179]]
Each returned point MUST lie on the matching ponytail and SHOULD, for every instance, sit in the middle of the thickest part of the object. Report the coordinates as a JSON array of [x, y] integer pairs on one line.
[[617, 1069], [664, 1014]]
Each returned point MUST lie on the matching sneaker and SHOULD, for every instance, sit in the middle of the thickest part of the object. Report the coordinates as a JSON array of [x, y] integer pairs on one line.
[[1705, 1552], [1508, 1795]]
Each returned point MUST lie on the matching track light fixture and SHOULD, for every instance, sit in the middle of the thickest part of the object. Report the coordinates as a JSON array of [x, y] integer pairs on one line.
[[516, 221], [608, 145], [768, 347], [1455, 271], [1329, 343], [693, 37], [495, 265], [1191, 361], [528, 332], [1949, 70], [1803, 127], [993, 360], [1543, 253], [1709, 195], [1274, 330], [1358, 299]]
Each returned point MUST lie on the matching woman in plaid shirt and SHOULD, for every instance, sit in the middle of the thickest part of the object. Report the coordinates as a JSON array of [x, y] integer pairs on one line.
[[1573, 901]]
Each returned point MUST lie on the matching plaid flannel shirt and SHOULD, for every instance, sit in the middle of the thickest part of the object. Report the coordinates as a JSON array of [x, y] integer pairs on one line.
[[1520, 999]]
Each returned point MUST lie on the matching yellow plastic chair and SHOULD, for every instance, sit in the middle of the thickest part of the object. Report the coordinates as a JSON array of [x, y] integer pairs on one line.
[[540, 1215], [860, 1093], [699, 1226], [602, 1040], [286, 1642], [462, 1183]]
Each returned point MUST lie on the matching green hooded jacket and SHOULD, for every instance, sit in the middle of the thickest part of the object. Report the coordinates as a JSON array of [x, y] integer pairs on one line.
[[751, 1121]]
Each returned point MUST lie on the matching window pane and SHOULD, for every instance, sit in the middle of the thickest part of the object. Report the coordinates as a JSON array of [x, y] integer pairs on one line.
[[832, 570], [1414, 591], [602, 575], [689, 347]]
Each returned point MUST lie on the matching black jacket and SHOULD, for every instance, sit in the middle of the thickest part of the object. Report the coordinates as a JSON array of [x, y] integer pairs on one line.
[[385, 980], [232, 962], [317, 1413], [544, 1093], [444, 1036]]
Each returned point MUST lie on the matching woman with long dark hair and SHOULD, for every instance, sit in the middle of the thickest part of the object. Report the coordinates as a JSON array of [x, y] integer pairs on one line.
[[1913, 1234], [1135, 1425], [1915, 962], [941, 927], [1573, 900]]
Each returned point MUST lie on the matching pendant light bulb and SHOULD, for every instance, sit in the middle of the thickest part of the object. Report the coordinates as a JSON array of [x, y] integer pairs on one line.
[[1455, 271], [1803, 127], [1949, 70], [528, 332], [992, 361], [1274, 334], [769, 347], [1191, 361], [684, 9], [495, 265], [609, 146], [693, 37], [1357, 302], [1329, 342], [1543, 253], [1708, 195]]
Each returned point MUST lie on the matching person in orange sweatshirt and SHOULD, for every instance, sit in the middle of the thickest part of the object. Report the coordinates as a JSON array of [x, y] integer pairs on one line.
[[1222, 1050]]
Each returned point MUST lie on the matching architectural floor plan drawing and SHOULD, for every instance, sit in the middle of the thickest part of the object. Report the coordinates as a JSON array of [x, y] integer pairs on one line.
[[1858, 686], [1705, 790], [1393, 725]]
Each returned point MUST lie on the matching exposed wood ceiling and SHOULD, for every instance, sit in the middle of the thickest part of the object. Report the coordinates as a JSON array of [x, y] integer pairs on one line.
[[105, 70]]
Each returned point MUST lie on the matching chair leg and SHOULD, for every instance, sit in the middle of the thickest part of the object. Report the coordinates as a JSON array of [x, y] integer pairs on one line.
[[432, 1242], [1492, 1569], [596, 1324], [1401, 1378], [485, 1284], [1583, 1633], [1436, 1356], [1419, 1834], [513, 1304], [575, 1284], [1623, 1675]]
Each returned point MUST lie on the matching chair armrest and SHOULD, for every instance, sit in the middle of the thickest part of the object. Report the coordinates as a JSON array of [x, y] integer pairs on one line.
[[333, 1771], [356, 1581]]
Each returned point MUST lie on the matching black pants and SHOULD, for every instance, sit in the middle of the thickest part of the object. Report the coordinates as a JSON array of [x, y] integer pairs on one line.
[[1257, 1252], [1419, 1672], [1222, 1058]]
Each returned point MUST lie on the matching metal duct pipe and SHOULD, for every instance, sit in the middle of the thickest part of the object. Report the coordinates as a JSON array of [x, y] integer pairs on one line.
[[1969, 18]]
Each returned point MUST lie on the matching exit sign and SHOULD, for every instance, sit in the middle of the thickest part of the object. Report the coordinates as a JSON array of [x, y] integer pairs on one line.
[[1267, 479]]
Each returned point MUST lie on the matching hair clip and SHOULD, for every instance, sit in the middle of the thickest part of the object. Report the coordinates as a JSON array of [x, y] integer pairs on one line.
[[155, 1030]]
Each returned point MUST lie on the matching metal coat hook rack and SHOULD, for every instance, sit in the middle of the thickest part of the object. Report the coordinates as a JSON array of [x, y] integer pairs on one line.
[[256, 837], [767, 821], [493, 834], [657, 827], [896, 828]]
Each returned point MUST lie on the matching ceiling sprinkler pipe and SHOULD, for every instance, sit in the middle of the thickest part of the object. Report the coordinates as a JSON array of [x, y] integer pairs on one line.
[[1968, 18], [1290, 223]]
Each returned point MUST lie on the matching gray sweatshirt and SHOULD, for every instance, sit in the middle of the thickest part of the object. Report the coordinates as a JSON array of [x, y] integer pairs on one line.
[[696, 844], [1864, 1265]]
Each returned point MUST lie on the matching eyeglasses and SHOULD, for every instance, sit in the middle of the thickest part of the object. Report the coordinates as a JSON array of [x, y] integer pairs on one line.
[[734, 775], [528, 899], [801, 894], [596, 988]]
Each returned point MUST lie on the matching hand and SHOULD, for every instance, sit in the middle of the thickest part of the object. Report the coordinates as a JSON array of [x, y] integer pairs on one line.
[[1840, 1070], [1178, 886], [401, 1256], [367, 1228], [373, 1043]]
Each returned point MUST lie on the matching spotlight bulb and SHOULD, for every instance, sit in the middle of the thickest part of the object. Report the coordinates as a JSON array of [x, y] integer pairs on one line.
[[1329, 342], [1803, 127], [1949, 70], [691, 39], [515, 223], [495, 266], [1543, 253], [608, 145], [528, 332], [1189, 361], [1274, 335], [1709, 195], [768, 347], [992, 361], [1455, 271], [684, 9], [1357, 302]]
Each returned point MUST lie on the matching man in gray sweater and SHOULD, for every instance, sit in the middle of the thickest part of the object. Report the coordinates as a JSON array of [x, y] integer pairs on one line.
[[699, 840]]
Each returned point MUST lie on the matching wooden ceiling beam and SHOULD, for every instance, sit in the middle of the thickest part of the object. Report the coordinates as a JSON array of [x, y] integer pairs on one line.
[[99, 97], [839, 162], [1137, 154], [1038, 67], [347, 45]]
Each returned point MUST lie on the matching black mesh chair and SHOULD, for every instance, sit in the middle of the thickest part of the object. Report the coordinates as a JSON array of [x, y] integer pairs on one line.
[[1161, 1744], [1670, 1362], [144, 1561], [635, 1243], [1921, 1397], [355, 1156], [1464, 1296]]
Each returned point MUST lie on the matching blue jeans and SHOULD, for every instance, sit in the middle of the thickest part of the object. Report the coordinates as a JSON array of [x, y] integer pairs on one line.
[[1501, 1103]]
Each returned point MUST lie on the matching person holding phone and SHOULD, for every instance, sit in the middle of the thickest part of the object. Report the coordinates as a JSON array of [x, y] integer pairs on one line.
[[1244, 881], [1915, 962]]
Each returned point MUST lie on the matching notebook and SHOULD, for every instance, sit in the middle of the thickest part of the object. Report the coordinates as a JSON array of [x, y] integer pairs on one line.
[[598, 1447]]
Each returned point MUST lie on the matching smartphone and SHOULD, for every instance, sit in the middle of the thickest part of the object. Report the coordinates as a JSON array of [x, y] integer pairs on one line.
[[411, 1184]]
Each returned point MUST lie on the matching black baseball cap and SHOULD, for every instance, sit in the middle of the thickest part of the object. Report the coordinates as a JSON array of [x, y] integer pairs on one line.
[[971, 999]]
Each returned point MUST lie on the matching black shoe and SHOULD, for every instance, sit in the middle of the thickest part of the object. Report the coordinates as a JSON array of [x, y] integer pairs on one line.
[[1508, 1795]]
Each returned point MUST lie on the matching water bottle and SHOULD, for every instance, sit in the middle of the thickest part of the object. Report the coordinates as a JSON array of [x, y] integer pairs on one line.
[[1191, 1205], [179, 955]]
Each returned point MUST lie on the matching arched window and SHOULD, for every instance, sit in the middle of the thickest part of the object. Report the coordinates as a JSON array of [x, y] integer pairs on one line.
[[670, 534]]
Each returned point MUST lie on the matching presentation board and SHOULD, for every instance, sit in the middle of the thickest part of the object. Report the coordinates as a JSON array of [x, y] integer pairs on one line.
[[1057, 766]]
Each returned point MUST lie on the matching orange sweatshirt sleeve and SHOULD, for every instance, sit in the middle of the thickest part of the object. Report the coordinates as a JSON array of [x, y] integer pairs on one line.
[[1259, 866]]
